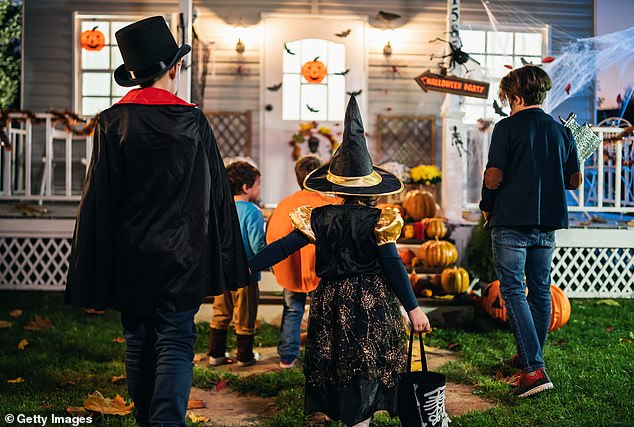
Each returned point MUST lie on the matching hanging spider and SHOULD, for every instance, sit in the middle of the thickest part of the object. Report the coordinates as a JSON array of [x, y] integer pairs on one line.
[[456, 139], [456, 56]]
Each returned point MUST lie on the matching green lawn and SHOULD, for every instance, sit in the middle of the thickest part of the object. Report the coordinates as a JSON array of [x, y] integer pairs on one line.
[[590, 360]]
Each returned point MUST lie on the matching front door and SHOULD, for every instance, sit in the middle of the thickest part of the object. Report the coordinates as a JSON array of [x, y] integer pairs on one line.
[[317, 60]]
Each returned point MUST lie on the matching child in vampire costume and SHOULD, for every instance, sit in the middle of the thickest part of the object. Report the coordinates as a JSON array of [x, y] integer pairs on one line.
[[157, 228], [355, 347]]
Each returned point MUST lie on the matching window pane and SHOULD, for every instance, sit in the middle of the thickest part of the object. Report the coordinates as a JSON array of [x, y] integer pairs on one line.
[[336, 58], [499, 42], [472, 41], [96, 84], [96, 60], [312, 48], [116, 26], [290, 97], [336, 97], [117, 59], [102, 26], [528, 44], [291, 62], [316, 97], [92, 106], [496, 65]]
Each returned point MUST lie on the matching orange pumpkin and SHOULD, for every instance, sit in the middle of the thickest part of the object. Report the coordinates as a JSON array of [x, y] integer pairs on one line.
[[435, 228], [437, 253], [408, 231], [92, 39], [454, 280], [493, 304], [314, 71], [419, 204]]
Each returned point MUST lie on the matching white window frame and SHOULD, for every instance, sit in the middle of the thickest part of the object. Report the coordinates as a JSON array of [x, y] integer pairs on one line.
[[78, 18]]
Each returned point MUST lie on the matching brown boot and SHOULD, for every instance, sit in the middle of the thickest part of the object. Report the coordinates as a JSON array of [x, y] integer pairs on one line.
[[217, 347], [246, 357]]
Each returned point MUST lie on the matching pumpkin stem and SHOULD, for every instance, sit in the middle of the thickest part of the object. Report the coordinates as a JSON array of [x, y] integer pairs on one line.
[[95, 28], [316, 58]]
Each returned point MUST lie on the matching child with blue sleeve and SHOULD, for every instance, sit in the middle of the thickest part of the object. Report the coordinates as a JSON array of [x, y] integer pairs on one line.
[[240, 305]]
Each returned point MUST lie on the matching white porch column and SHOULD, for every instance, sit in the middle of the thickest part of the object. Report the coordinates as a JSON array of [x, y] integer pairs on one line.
[[185, 85], [452, 169]]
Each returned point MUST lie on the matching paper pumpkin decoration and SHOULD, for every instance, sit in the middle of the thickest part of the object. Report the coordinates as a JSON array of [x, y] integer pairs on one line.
[[314, 71], [92, 39]]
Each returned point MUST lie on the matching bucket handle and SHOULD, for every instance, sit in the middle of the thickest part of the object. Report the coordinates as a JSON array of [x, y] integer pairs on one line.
[[423, 356]]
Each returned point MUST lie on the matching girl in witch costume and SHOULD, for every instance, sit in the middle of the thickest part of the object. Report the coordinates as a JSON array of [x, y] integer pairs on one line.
[[355, 347]]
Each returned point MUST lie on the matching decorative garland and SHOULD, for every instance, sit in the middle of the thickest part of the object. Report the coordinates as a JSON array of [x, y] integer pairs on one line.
[[69, 119], [307, 131], [628, 131]]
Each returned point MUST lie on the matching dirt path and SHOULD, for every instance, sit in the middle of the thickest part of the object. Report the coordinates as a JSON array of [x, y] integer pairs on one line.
[[226, 407]]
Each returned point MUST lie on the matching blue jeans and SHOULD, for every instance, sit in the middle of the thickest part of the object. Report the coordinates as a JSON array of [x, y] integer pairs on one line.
[[159, 365], [518, 252], [288, 345]]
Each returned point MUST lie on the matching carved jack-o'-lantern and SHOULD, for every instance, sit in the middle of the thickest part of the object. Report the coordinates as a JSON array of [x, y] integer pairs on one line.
[[92, 39], [314, 71]]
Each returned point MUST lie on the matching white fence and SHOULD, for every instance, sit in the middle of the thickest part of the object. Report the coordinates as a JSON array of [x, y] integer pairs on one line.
[[28, 168]]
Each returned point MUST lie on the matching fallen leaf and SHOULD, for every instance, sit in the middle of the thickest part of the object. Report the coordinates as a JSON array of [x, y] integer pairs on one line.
[[560, 341], [38, 323], [608, 302], [5, 324], [625, 340], [77, 411], [632, 335], [222, 384], [93, 311], [195, 404], [609, 328], [199, 357], [117, 378], [454, 346], [196, 418], [511, 380], [16, 381], [46, 406], [118, 340], [96, 402], [23, 344], [15, 313]]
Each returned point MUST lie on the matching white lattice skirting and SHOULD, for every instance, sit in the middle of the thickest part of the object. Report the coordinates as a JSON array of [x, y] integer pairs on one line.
[[588, 263]]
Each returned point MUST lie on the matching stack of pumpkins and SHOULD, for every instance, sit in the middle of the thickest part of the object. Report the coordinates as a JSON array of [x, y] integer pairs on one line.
[[435, 253]]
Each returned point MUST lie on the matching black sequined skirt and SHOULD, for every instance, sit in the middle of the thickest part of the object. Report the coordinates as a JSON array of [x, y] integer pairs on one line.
[[355, 349]]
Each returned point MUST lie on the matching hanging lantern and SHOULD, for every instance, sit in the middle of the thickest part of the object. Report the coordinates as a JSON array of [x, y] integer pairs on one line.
[[92, 39], [314, 71]]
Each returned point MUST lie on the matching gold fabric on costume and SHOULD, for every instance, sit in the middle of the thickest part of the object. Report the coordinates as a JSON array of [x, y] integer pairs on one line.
[[300, 218], [389, 227]]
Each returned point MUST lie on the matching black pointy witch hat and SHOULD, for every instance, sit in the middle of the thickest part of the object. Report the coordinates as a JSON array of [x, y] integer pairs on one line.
[[350, 171]]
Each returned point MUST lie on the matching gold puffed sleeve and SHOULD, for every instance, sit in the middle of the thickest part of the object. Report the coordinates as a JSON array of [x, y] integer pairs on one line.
[[300, 218], [389, 226]]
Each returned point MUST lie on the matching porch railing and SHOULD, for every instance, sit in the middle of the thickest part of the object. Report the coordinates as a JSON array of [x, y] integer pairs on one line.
[[608, 184], [35, 152]]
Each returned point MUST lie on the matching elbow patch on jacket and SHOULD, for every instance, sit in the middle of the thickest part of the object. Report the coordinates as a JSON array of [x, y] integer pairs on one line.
[[575, 180], [492, 178]]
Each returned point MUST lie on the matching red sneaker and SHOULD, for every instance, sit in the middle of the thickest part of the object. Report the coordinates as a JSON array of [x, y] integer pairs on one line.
[[533, 383], [513, 362]]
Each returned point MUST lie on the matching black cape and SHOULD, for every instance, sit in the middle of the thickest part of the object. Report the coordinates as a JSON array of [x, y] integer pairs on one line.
[[157, 227]]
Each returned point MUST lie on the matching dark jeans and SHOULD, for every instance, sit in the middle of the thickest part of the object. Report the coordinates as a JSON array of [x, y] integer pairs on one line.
[[289, 342], [518, 252], [159, 365]]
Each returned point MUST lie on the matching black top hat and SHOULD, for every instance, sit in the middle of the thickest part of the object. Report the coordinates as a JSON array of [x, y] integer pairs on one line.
[[350, 171], [148, 49]]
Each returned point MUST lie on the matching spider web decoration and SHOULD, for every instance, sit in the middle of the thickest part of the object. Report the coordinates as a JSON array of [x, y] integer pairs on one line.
[[232, 131], [410, 140]]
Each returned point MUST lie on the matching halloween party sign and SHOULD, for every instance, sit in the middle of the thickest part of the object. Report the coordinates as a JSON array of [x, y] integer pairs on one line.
[[450, 84]]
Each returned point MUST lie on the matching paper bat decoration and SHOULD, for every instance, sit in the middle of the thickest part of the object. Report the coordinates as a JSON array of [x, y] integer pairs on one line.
[[355, 93], [274, 88], [290, 52], [343, 73], [343, 33], [498, 110], [388, 16], [525, 62], [311, 109]]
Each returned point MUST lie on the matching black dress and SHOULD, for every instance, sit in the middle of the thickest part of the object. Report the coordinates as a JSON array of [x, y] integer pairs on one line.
[[356, 345]]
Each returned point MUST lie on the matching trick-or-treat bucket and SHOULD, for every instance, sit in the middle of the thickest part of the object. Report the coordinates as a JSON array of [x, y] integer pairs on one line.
[[421, 394]]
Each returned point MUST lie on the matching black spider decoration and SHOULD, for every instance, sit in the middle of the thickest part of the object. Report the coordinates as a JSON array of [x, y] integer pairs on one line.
[[456, 139], [456, 56]]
